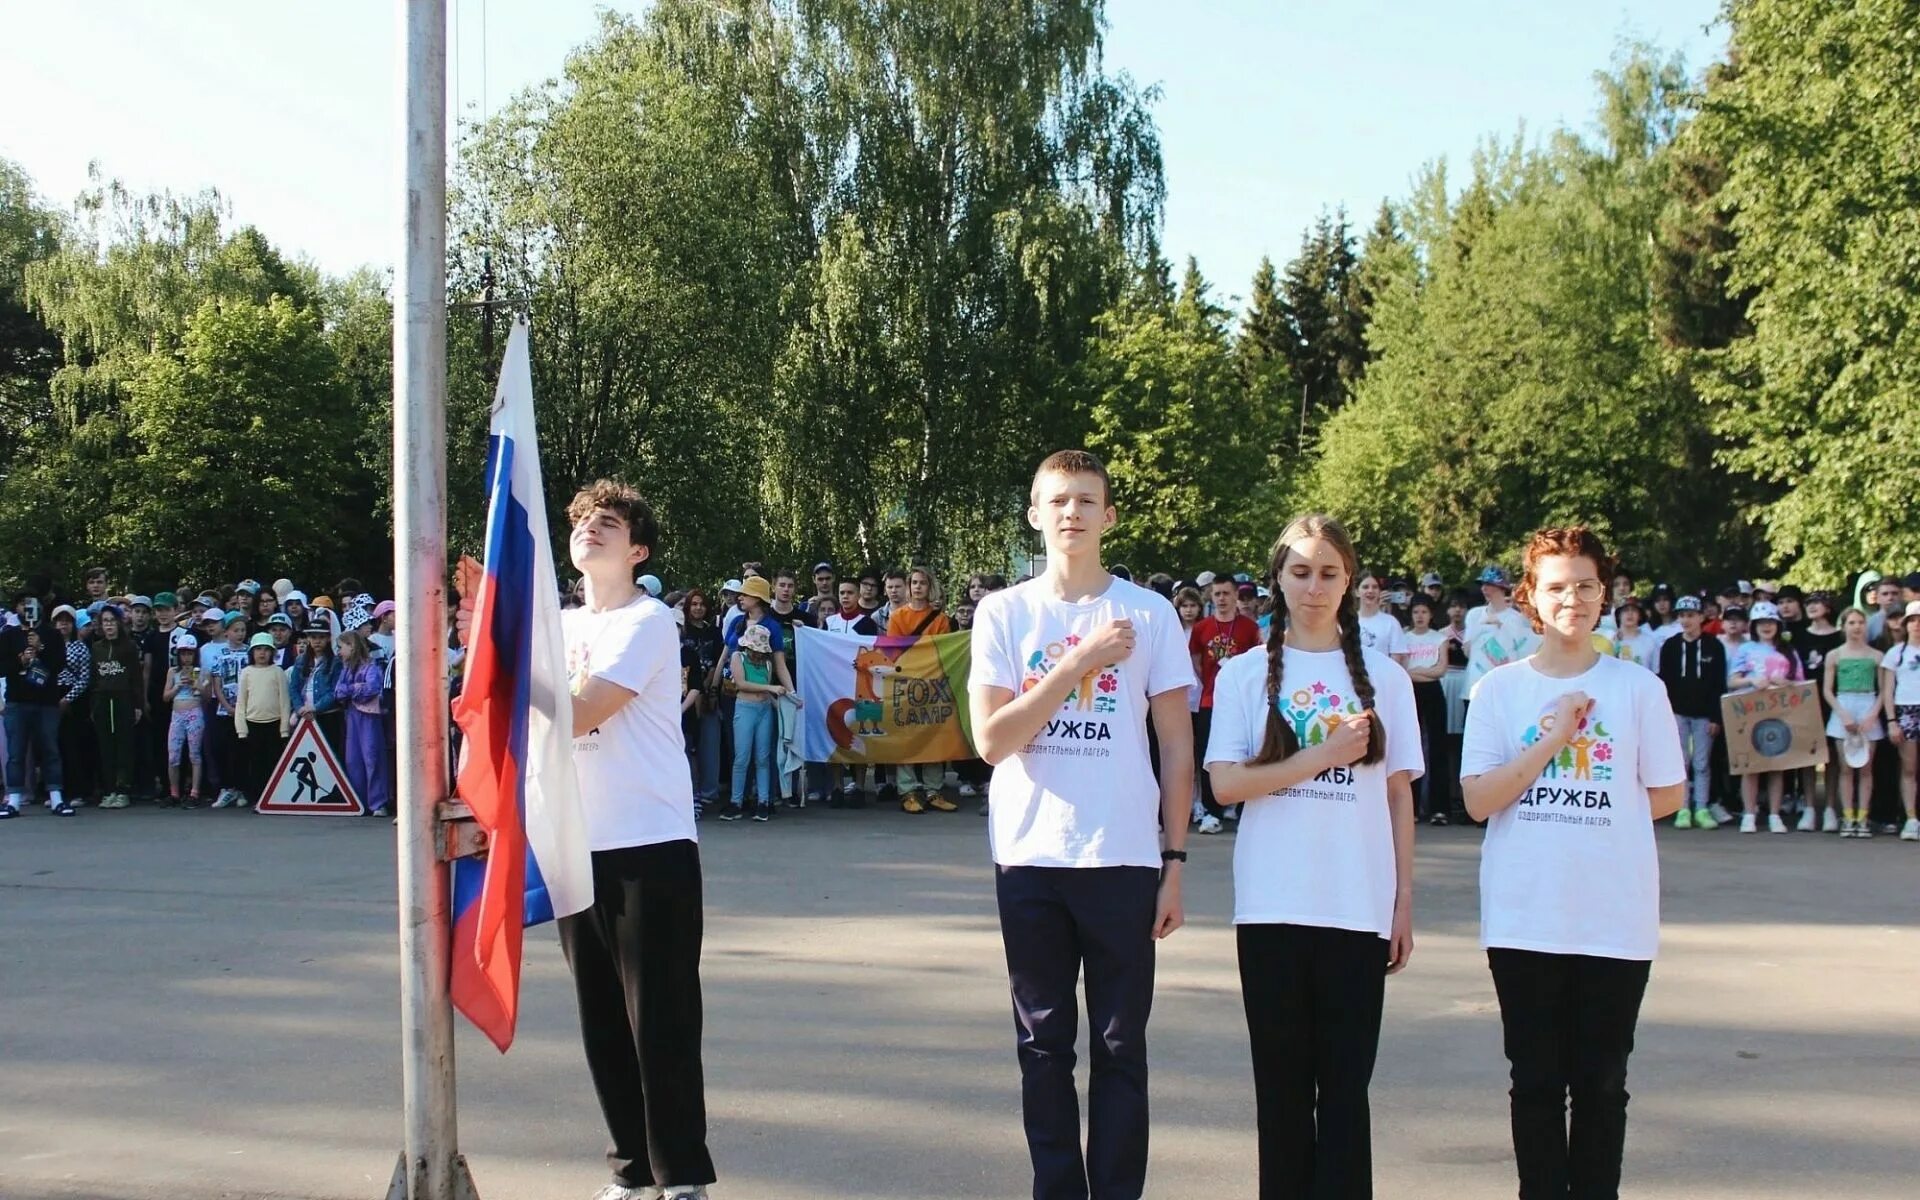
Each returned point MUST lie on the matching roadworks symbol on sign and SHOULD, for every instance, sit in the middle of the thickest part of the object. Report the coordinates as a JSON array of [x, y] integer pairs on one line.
[[308, 779]]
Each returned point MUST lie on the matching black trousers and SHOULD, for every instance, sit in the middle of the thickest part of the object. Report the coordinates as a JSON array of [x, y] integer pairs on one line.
[[113, 733], [79, 750], [1054, 920], [259, 753], [635, 957], [1435, 788], [1569, 1021], [1313, 998], [1202, 731]]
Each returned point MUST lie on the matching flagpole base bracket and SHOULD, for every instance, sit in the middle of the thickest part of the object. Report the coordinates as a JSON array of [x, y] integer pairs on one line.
[[462, 1181], [456, 833]]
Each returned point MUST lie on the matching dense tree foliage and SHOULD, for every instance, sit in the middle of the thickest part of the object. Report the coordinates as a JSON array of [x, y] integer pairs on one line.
[[826, 277]]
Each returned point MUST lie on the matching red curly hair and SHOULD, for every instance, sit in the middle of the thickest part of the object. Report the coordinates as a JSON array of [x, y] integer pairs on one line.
[[1558, 541]]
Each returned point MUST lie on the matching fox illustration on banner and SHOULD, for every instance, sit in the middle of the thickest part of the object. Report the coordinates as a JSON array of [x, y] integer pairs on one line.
[[884, 699]]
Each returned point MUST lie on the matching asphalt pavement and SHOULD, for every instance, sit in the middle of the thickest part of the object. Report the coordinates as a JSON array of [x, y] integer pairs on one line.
[[202, 1005]]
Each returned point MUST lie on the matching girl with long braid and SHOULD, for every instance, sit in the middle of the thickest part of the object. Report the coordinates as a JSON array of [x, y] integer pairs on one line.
[[1318, 737]]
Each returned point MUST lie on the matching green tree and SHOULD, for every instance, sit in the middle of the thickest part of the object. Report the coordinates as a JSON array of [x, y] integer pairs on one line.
[[29, 353], [244, 453], [1517, 381], [1816, 129], [1171, 420]]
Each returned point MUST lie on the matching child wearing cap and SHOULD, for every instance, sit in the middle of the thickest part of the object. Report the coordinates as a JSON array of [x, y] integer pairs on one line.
[[183, 694], [314, 679], [1764, 661], [262, 716], [222, 661]]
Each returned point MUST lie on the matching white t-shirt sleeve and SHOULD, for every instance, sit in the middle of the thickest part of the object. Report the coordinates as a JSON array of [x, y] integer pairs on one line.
[[1482, 745], [1661, 762], [1393, 698], [992, 648], [1239, 717], [1170, 668], [637, 654]]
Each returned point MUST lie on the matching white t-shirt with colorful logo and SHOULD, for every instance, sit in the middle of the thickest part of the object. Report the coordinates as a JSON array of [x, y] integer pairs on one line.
[[1320, 852], [635, 785], [1082, 793], [1494, 640], [1570, 868]]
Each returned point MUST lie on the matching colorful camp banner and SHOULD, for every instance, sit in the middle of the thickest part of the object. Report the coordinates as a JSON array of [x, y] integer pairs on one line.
[[885, 699]]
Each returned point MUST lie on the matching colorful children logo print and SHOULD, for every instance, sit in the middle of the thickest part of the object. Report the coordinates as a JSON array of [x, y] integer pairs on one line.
[[1588, 756], [1098, 691], [1316, 711]]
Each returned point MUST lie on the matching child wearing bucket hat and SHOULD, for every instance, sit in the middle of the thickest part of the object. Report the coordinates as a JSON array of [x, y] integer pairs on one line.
[[262, 714], [755, 716]]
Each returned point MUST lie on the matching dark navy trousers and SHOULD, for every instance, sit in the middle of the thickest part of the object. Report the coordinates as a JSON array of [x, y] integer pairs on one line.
[[1056, 922]]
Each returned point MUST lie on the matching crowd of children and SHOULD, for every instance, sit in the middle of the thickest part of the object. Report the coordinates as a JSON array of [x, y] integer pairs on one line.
[[117, 699], [1702, 645]]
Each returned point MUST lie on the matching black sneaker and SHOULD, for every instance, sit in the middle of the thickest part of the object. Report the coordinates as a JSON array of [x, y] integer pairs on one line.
[[762, 814], [729, 813]]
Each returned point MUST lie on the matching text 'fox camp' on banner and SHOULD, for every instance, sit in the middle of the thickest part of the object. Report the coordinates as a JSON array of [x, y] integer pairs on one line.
[[885, 699]]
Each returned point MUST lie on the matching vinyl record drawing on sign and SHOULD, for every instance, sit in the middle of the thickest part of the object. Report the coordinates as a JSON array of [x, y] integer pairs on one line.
[[308, 779]]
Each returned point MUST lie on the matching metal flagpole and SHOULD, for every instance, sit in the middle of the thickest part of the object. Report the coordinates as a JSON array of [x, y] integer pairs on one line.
[[430, 1167]]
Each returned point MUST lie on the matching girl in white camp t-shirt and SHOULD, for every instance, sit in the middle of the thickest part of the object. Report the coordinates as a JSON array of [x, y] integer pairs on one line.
[[1570, 757], [1322, 745]]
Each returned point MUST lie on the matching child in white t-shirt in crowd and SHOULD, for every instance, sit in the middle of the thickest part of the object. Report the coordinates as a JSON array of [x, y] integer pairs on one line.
[[1088, 849], [1318, 737], [1570, 757], [1496, 634], [1633, 641], [1900, 702], [1379, 629], [1427, 665]]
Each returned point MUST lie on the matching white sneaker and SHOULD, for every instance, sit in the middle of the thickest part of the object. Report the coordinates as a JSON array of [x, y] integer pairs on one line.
[[1806, 824], [968, 791], [1210, 824], [1910, 832], [614, 1191], [1720, 813], [1830, 823], [1749, 823], [1775, 824]]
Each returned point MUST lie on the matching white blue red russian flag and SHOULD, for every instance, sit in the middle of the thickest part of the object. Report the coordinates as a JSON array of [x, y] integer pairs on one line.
[[515, 708]]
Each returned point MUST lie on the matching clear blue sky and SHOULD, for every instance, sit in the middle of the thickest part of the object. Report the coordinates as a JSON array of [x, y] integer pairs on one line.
[[1272, 109]]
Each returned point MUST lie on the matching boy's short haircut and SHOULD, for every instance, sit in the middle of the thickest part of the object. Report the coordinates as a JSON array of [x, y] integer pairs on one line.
[[869, 576], [893, 573], [1072, 462], [622, 501], [786, 573]]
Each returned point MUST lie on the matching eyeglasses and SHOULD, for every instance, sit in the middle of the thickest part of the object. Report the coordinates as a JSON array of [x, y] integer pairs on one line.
[[1586, 591]]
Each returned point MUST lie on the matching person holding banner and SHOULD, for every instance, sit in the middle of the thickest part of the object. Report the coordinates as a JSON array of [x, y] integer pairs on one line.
[[1318, 735], [1065, 671], [1570, 756], [635, 954], [920, 783]]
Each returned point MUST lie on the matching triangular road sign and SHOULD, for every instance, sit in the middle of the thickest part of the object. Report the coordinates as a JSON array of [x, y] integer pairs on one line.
[[308, 778]]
